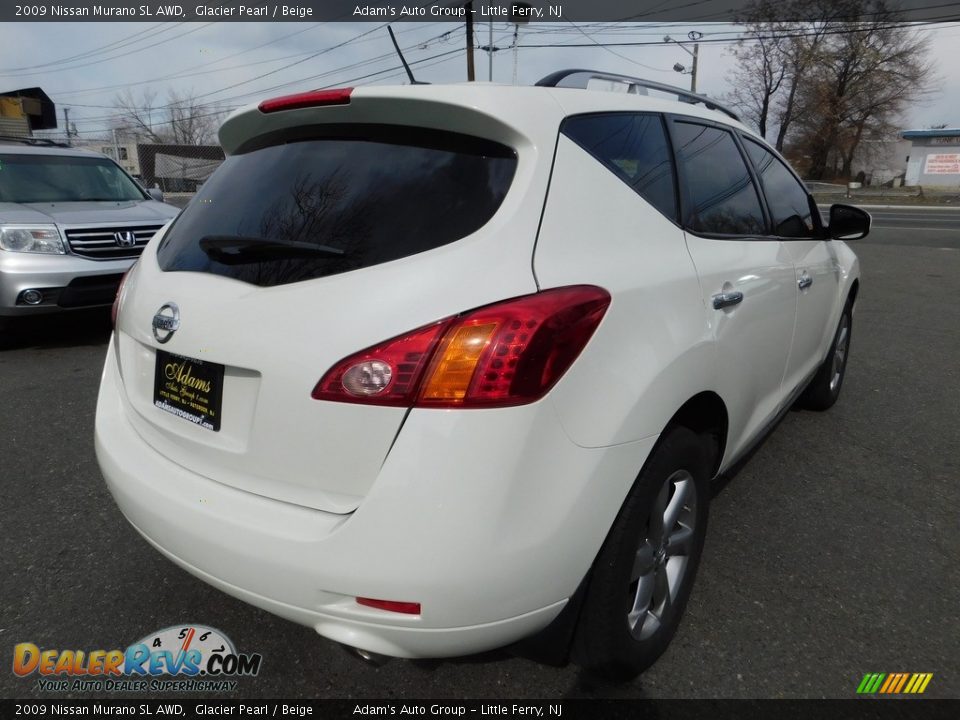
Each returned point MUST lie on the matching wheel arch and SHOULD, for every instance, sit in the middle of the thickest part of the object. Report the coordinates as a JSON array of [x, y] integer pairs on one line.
[[705, 414], [852, 293]]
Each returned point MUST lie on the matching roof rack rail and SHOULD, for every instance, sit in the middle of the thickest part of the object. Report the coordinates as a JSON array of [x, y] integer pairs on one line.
[[27, 140], [578, 78]]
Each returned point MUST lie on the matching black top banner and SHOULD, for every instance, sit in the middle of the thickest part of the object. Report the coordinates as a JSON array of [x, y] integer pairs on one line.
[[533, 11]]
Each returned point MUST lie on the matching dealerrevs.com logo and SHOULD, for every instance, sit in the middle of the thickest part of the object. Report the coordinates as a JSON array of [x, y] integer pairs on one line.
[[181, 658]]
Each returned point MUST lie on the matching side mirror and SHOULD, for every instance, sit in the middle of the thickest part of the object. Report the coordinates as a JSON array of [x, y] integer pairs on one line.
[[157, 194], [848, 222]]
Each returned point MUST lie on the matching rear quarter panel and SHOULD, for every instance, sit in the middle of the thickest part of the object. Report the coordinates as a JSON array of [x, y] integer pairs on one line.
[[651, 352]]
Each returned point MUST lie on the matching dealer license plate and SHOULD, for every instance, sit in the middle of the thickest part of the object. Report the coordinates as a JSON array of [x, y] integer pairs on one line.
[[190, 389]]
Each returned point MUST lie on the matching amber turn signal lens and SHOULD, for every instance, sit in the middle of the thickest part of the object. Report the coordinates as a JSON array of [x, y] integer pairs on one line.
[[456, 362]]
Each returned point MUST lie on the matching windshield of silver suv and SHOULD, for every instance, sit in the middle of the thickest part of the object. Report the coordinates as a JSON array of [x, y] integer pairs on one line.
[[64, 178]]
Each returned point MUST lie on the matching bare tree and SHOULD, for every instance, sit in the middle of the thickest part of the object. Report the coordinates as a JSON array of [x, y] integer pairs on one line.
[[827, 82], [134, 117], [181, 120], [866, 77], [760, 73]]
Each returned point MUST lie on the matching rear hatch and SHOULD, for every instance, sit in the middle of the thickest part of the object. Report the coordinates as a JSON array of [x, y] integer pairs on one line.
[[327, 230]]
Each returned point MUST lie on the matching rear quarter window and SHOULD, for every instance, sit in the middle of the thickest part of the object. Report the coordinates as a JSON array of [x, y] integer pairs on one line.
[[634, 147], [332, 200]]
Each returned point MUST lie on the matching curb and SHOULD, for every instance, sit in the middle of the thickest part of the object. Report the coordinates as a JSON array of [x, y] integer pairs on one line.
[[900, 207]]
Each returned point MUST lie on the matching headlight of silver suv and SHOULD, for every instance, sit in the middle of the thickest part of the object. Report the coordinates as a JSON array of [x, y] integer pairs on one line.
[[31, 239]]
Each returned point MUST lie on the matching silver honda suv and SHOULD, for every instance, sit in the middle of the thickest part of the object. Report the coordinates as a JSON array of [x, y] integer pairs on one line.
[[71, 223]]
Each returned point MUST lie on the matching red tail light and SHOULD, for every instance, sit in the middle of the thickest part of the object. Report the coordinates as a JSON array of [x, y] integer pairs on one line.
[[408, 608], [510, 353], [314, 98], [115, 310]]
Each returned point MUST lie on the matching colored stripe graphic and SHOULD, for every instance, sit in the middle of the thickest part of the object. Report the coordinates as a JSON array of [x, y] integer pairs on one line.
[[898, 680], [870, 683], [903, 680], [894, 683]]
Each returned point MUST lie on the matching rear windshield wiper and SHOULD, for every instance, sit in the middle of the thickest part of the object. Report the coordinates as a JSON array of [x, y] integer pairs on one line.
[[240, 249]]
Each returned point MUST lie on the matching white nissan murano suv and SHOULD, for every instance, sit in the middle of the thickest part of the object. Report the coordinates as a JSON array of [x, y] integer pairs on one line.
[[435, 369]]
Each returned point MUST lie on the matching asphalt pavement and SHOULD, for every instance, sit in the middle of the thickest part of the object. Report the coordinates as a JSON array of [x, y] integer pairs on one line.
[[831, 554]]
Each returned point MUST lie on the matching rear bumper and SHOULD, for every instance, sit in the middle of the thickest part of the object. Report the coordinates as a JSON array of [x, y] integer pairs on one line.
[[65, 281], [492, 549], [379, 637]]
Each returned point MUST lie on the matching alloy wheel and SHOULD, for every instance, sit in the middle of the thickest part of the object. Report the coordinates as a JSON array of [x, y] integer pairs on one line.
[[660, 564], [840, 352]]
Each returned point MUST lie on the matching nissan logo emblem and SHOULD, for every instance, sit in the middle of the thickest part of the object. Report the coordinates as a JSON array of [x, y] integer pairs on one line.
[[166, 322]]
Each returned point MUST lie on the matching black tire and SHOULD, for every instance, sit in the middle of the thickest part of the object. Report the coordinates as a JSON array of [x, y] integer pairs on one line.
[[824, 389], [613, 639]]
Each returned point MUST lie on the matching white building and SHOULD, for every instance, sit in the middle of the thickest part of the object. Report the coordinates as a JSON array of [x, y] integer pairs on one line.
[[128, 157], [934, 157]]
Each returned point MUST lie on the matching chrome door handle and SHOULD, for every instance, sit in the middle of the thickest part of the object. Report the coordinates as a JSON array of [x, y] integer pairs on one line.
[[727, 300], [805, 281]]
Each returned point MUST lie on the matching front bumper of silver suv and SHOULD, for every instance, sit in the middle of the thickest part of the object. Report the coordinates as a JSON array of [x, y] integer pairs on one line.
[[86, 276]]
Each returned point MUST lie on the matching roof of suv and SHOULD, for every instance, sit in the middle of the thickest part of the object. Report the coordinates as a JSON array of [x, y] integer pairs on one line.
[[12, 147], [478, 107]]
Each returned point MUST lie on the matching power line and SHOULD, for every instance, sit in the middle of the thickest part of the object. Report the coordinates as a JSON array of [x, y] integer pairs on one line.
[[184, 72], [395, 68], [260, 92], [112, 57], [154, 28], [747, 36], [180, 73], [221, 104], [614, 52], [717, 37]]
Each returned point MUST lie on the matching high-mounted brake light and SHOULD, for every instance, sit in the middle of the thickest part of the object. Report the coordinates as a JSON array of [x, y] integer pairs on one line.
[[510, 353], [314, 98]]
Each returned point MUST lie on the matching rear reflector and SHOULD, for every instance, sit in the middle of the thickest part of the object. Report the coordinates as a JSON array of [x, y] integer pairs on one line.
[[509, 353], [314, 98], [408, 608]]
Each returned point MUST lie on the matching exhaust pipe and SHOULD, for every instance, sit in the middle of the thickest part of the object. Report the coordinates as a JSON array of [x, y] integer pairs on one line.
[[370, 658]]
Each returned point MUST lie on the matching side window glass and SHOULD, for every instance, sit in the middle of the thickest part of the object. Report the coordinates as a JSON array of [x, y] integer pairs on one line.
[[787, 199], [722, 197], [634, 147]]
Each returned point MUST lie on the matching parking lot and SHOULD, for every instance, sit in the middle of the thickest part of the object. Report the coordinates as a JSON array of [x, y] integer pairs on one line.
[[832, 553]]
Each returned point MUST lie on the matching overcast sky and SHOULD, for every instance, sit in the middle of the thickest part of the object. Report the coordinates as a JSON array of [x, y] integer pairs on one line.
[[232, 64]]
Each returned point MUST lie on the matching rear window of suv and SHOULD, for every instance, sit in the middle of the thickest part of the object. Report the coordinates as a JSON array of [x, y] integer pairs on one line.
[[320, 201]]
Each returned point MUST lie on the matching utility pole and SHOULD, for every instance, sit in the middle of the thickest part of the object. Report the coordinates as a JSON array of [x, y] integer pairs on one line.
[[518, 16], [693, 70], [66, 122], [490, 54], [490, 49], [116, 147], [470, 72], [695, 54]]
